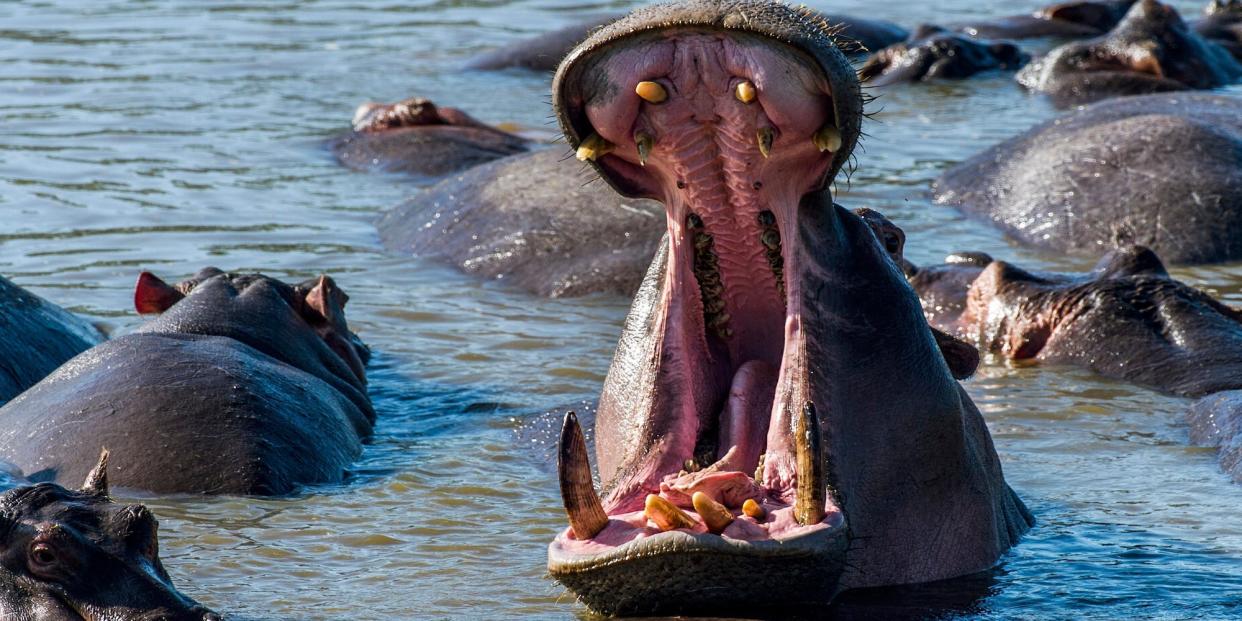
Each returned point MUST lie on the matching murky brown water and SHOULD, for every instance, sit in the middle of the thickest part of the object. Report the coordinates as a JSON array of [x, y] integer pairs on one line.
[[173, 135]]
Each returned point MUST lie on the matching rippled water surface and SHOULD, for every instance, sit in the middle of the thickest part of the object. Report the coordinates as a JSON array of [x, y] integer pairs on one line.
[[172, 135]]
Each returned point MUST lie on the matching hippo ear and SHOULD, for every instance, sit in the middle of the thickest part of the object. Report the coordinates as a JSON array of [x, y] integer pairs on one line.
[[1094, 14], [326, 299], [97, 481], [152, 295], [962, 357]]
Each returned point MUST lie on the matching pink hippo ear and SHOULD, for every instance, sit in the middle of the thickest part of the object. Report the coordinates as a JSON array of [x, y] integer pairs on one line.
[[326, 299], [152, 295]]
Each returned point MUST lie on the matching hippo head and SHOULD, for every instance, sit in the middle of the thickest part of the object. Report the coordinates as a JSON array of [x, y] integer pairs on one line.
[[1096, 15], [1151, 50], [303, 325], [1223, 7], [933, 53], [373, 116], [77, 556], [778, 423]]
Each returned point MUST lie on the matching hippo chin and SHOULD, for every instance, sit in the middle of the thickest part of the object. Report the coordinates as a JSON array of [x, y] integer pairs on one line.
[[1152, 50], [245, 385], [933, 53], [77, 556], [417, 137], [38, 337], [1164, 171], [773, 336]]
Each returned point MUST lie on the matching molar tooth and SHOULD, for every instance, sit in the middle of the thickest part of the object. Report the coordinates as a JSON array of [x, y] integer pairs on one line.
[[809, 505], [645, 142], [666, 515], [828, 138], [652, 92], [594, 147], [764, 137], [771, 239], [586, 514], [752, 508], [745, 91], [715, 516]]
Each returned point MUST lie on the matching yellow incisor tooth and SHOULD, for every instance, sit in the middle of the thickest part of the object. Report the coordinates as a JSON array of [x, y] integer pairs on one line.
[[594, 147], [666, 515], [752, 508], [645, 143], [652, 92], [764, 136], [715, 515], [828, 138], [745, 91]]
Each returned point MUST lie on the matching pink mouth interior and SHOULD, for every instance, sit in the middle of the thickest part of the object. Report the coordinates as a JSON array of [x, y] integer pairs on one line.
[[731, 371]]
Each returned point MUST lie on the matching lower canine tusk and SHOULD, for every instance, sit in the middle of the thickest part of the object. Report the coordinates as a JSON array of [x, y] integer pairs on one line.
[[809, 505], [586, 513]]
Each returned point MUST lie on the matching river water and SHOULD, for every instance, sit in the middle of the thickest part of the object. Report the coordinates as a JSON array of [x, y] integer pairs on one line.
[[172, 135]]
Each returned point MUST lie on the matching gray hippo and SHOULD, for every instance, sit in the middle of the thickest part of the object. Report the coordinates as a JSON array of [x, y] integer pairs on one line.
[[38, 337], [1151, 51], [749, 461], [244, 385], [70, 555], [416, 137], [1164, 171], [1065, 20], [934, 53], [544, 52], [533, 221], [1222, 24]]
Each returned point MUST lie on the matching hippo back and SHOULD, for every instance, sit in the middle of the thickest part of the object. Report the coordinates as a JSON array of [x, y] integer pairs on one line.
[[38, 337]]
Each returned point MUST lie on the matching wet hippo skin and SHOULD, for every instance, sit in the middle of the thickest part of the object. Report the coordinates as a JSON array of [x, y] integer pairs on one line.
[[38, 337], [244, 385], [1164, 171], [934, 53]]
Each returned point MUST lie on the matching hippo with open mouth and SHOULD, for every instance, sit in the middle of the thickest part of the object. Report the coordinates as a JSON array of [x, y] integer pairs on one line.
[[773, 336], [244, 385], [69, 555]]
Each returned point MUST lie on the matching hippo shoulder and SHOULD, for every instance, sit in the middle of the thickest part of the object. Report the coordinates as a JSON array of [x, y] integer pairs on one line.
[[38, 337]]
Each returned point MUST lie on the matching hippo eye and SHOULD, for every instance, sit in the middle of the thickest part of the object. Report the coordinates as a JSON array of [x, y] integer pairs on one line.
[[891, 243], [42, 554]]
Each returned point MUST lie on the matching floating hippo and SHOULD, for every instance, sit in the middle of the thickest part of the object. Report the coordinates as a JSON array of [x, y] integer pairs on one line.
[[38, 337], [1151, 51], [534, 221], [933, 53], [1164, 171], [544, 52], [245, 385], [1222, 24], [72, 555], [417, 137], [1067, 20], [757, 341]]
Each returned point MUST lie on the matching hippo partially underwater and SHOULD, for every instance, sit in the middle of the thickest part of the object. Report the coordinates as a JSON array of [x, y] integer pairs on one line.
[[244, 385], [759, 341], [69, 555], [934, 53], [1126, 319], [1164, 171], [1151, 50], [38, 337]]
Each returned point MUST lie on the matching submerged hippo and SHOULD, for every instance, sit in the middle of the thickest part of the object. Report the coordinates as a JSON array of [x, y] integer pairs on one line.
[[1066, 20], [933, 53], [245, 385], [1222, 24], [757, 341], [75, 555], [1164, 171], [544, 52], [417, 137], [38, 337], [1152, 50], [533, 221]]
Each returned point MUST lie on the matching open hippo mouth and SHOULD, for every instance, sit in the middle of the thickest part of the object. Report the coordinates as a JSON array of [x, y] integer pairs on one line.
[[736, 417]]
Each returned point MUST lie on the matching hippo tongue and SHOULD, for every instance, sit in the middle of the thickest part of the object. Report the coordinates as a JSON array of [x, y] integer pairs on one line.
[[744, 420]]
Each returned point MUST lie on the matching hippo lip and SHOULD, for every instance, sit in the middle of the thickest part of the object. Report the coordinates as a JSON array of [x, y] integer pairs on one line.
[[729, 129]]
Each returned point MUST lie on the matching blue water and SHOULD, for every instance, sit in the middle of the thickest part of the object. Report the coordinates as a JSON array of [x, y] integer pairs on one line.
[[172, 135]]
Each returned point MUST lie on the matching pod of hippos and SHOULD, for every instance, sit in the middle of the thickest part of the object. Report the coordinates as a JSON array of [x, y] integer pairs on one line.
[[715, 130]]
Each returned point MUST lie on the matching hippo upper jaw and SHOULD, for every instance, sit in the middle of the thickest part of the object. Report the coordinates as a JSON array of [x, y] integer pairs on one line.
[[773, 335]]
